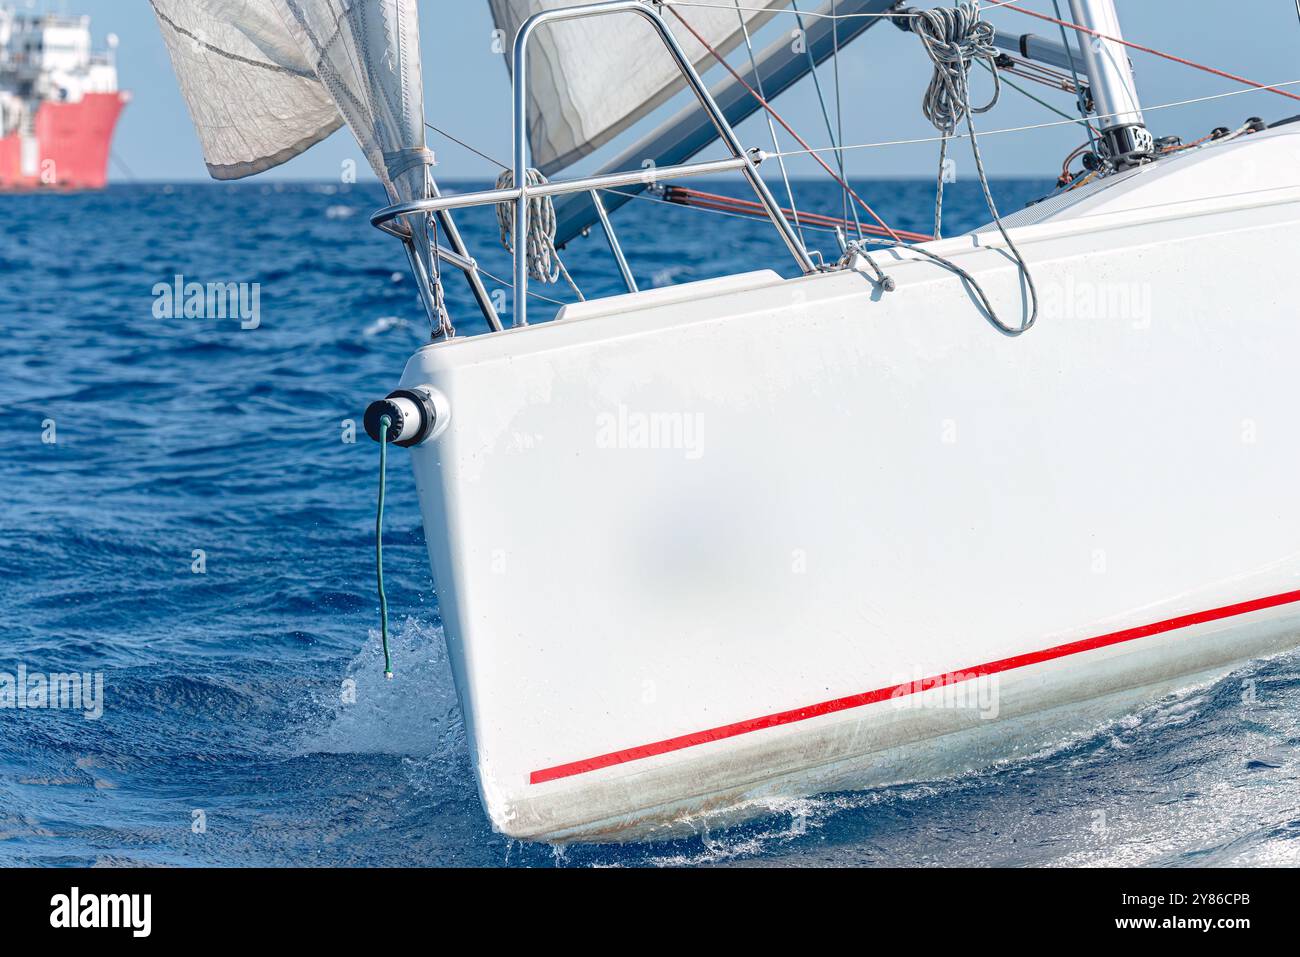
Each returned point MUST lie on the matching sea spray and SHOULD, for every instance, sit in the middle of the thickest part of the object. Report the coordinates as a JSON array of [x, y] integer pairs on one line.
[[408, 715]]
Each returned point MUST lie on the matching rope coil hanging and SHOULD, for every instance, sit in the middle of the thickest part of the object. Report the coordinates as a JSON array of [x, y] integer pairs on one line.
[[954, 38], [544, 263]]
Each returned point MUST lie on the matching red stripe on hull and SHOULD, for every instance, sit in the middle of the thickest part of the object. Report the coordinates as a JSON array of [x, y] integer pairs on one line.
[[73, 142], [902, 690]]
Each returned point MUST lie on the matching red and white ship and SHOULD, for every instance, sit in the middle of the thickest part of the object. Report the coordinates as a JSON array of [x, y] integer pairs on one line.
[[59, 103]]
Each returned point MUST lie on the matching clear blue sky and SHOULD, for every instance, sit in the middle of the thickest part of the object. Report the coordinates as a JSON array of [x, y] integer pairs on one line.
[[883, 77]]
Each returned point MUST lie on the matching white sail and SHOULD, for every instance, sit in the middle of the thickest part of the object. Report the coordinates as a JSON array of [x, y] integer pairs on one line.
[[253, 95], [366, 53], [591, 79], [267, 79]]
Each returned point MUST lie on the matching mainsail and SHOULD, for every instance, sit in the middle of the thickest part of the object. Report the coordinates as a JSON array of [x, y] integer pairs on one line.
[[589, 80]]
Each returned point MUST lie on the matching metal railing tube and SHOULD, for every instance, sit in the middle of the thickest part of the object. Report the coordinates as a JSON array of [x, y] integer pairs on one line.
[[521, 193], [612, 238], [491, 197], [725, 132]]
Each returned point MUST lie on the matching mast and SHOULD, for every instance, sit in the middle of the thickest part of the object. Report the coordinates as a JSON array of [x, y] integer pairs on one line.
[[1125, 139]]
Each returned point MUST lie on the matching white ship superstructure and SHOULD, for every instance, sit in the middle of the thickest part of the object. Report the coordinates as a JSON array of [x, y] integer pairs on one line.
[[59, 101]]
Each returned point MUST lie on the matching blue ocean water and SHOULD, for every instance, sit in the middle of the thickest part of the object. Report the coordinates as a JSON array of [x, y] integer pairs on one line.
[[137, 451]]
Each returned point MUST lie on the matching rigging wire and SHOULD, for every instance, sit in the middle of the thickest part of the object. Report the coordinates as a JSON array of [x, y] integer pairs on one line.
[[815, 226], [506, 283], [771, 128], [839, 149], [496, 162], [1151, 50], [839, 117], [445, 329], [686, 196], [650, 198], [890, 15], [808, 150], [1041, 102], [1039, 126], [1010, 5], [476, 152], [130, 174], [1036, 72], [821, 99], [1078, 81], [905, 142]]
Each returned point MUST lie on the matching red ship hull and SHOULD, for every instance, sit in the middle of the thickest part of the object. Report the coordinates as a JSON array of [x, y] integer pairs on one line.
[[70, 147]]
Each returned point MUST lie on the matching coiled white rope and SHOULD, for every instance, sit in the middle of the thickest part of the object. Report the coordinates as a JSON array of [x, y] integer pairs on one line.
[[954, 38], [544, 263]]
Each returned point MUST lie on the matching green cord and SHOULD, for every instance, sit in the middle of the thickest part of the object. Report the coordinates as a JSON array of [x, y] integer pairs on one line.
[[384, 423]]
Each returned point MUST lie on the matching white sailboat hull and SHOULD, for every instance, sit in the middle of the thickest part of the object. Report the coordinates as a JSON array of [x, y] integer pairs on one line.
[[707, 547]]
